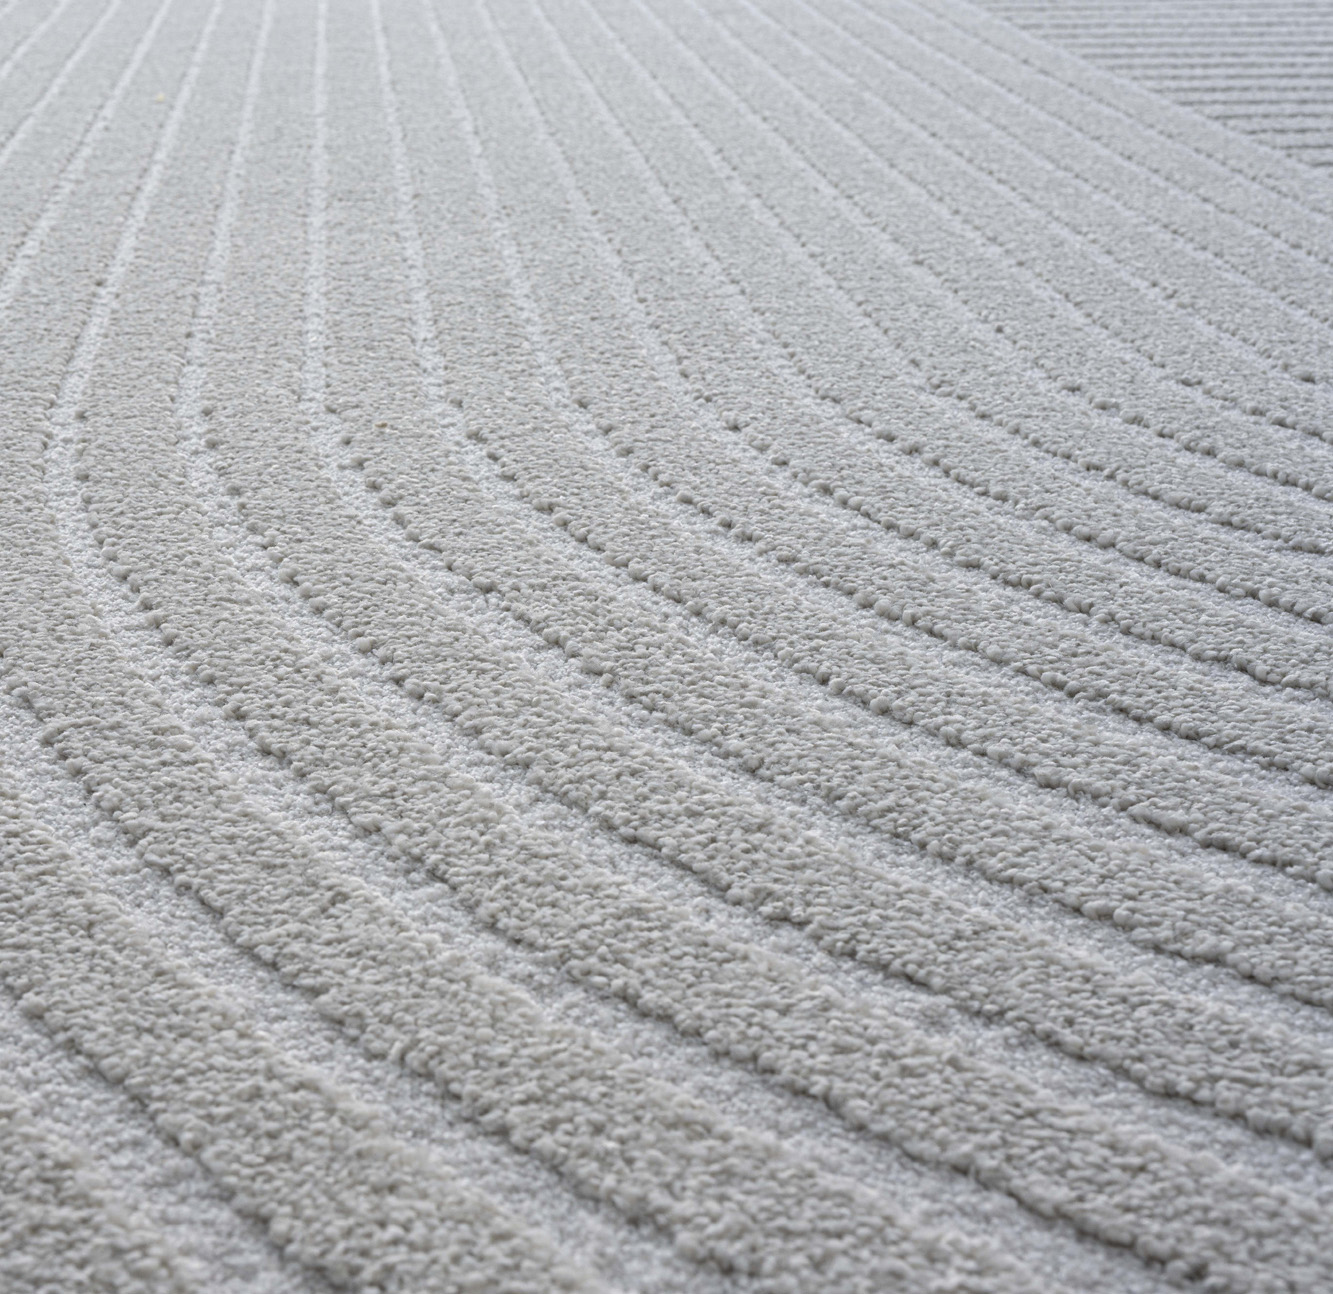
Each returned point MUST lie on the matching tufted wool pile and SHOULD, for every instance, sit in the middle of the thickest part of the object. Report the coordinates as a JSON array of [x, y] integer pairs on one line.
[[656, 645]]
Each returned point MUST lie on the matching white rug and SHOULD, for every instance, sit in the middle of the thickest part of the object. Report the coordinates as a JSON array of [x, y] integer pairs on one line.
[[656, 645]]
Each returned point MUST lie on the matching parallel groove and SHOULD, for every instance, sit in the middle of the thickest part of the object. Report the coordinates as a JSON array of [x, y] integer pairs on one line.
[[73, 170], [1057, 674], [1080, 276], [35, 34], [904, 521], [871, 1261], [33, 116], [1222, 169], [1161, 254], [1161, 47], [402, 485], [1119, 155], [332, 1189], [1138, 404], [662, 647]]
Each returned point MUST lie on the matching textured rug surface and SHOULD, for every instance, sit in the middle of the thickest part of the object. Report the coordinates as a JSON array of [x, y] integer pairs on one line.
[[1264, 67], [657, 645]]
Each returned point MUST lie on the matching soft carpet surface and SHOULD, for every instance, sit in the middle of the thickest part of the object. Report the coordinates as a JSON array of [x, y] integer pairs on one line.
[[1264, 67], [656, 645]]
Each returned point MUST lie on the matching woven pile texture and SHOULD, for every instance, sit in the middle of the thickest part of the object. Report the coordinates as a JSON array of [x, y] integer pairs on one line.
[[656, 645]]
